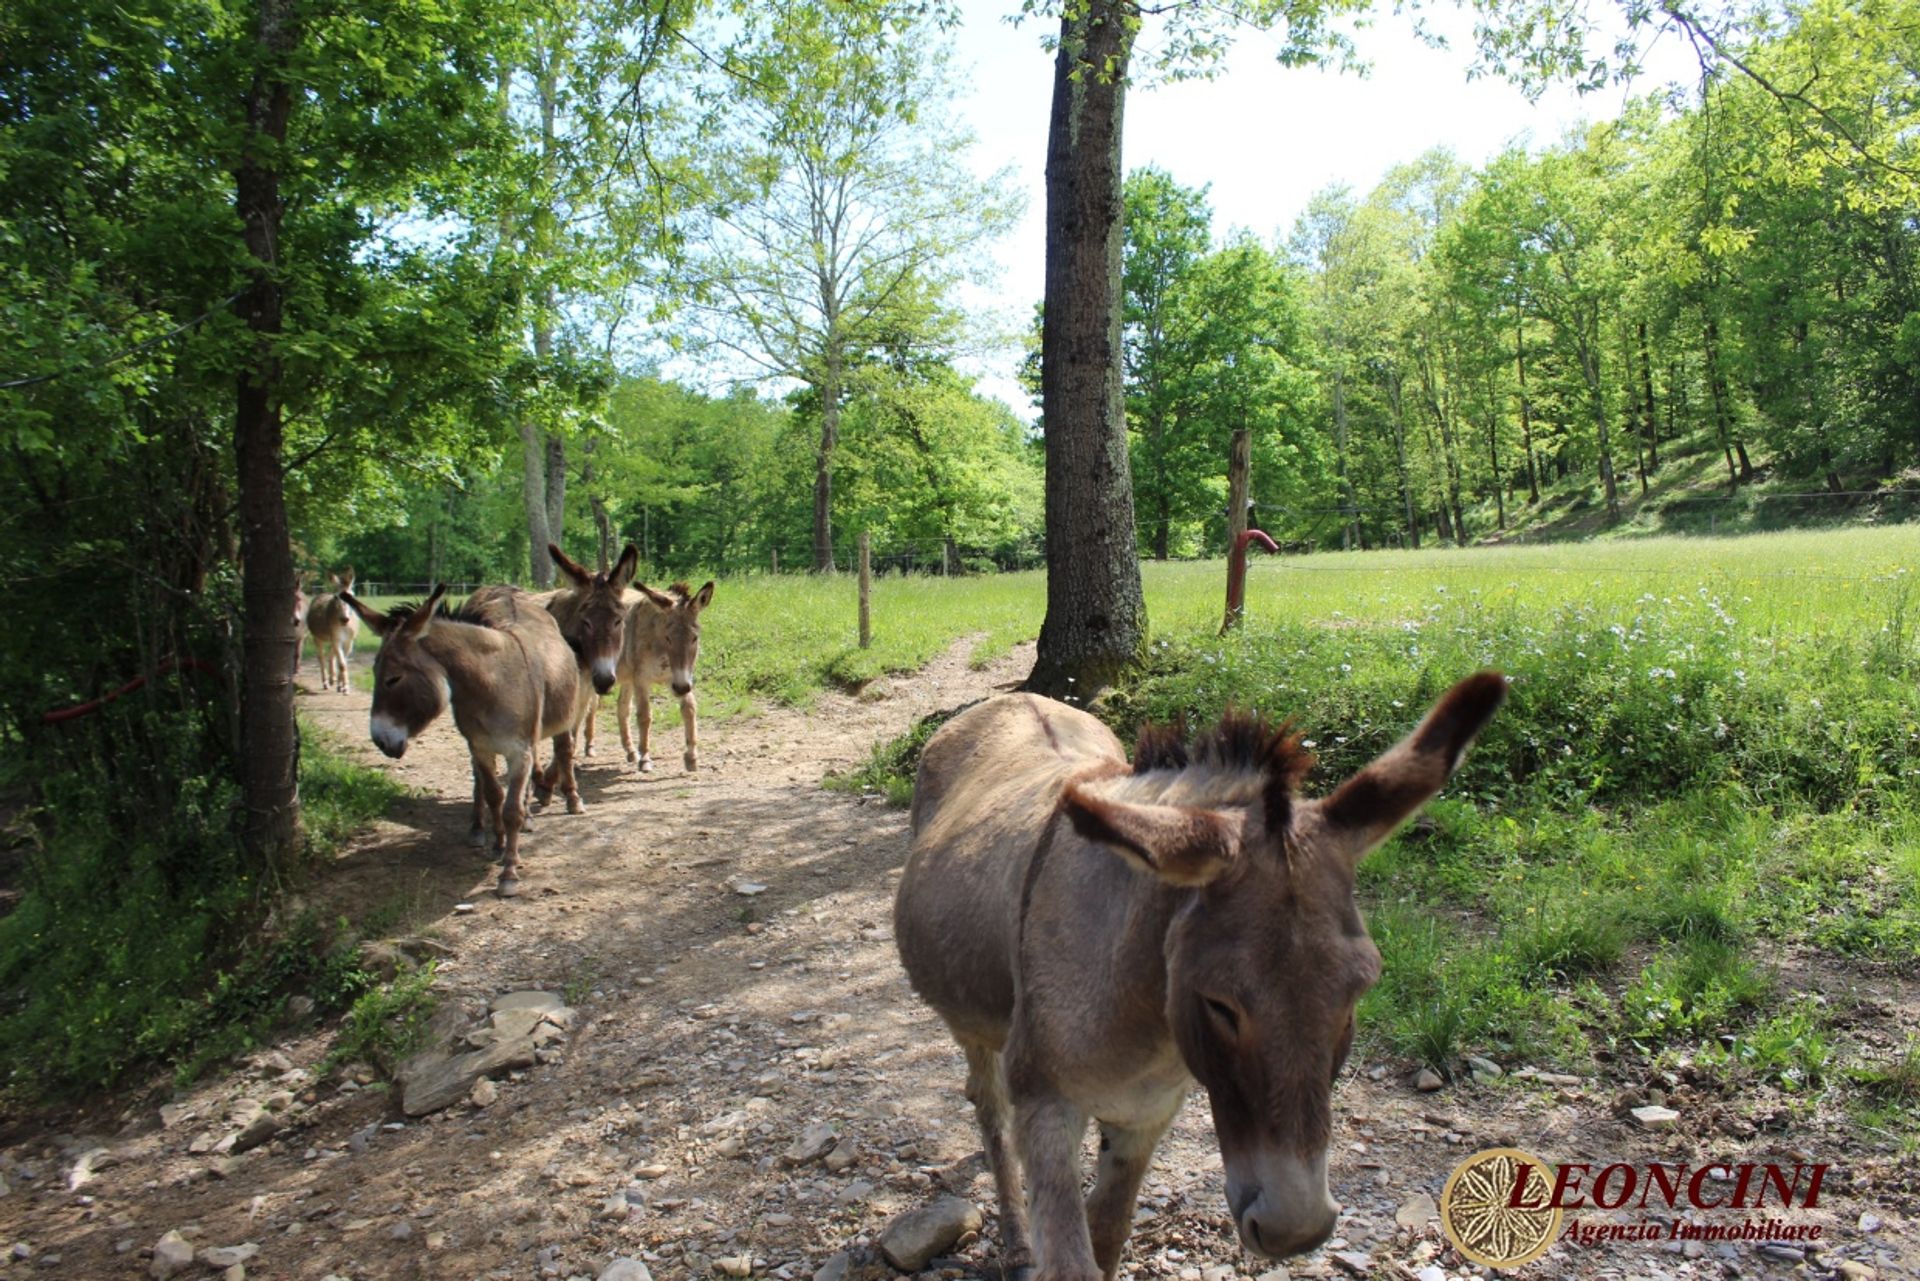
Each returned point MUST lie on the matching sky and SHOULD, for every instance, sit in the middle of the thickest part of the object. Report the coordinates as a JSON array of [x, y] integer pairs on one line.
[[1264, 138]]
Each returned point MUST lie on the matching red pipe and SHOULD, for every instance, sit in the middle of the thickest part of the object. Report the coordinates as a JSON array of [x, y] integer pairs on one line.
[[1237, 574], [95, 704]]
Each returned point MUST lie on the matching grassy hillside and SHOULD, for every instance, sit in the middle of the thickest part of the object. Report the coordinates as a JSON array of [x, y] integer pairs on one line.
[[1689, 494]]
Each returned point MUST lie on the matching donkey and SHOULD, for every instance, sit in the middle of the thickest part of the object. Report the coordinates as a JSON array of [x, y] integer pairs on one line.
[[593, 617], [503, 664], [299, 621], [663, 644], [332, 626], [1099, 936]]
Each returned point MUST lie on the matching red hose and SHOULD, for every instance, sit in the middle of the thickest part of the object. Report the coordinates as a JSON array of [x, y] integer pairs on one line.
[[95, 704]]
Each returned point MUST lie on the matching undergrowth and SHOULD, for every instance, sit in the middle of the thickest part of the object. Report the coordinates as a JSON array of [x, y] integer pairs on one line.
[[155, 944]]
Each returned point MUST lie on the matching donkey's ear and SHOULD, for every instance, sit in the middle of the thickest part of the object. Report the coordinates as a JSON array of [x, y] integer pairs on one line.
[[346, 577], [378, 623], [570, 567], [422, 618], [658, 598], [1179, 845], [1364, 810], [702, 598], [623, 569]]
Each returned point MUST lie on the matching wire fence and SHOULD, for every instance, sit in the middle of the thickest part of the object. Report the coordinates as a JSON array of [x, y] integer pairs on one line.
[[939, 556]]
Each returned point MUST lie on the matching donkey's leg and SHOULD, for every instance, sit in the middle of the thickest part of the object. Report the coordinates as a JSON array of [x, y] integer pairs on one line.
[[688, 718], [488, 792], [519, 765], [346, 649], [1049, 1130], [643, 721], [987, 1090], [477, 834], [563, 772], [1125, 1153], [625, 707], [543, 780]]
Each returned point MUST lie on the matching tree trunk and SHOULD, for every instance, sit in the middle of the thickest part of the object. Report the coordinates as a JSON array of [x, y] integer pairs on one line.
[[823, 465], [597, 504], [533, 497], [1096, 618], [1526, 408], [1162, 500], [1717, 391], [1349, 503], [556, 489], [269, 738], [1400, 454], [1634, 418], [1590, 366], [1648, 407]]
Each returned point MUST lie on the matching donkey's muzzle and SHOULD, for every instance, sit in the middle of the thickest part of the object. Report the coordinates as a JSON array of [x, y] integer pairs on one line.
[[1281, 1238], [682, 688], [388, 736], [1288, 1210], [602, 683]]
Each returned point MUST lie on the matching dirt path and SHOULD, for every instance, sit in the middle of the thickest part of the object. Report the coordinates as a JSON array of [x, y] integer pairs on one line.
[[712, 1028]]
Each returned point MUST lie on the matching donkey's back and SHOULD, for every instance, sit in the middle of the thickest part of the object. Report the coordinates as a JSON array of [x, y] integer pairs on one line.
[[987, 789]]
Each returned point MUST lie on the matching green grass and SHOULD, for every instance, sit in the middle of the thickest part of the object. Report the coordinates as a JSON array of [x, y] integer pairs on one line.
[[1711, 751], [124, 953]]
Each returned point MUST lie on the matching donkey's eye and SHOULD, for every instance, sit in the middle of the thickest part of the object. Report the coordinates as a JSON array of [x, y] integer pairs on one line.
[[391, 681], [1223, 1014]]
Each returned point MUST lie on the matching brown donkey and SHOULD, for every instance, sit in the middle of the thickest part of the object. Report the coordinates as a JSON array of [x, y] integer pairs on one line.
[[1098, 936], [663, 644], [593, 617], [502, 663], [332, 626]]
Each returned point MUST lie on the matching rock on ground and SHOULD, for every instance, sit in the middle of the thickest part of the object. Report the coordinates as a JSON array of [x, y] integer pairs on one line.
[[433, 1081], [911, 1241], [171, 1253]]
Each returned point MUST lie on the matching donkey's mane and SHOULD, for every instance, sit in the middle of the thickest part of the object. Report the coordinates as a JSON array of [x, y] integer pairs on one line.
[[1243, 760], [461, 613], [681, 590]]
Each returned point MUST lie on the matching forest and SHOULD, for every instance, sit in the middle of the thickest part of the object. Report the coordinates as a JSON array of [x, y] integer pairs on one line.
[[1723, 275], [287, 289]]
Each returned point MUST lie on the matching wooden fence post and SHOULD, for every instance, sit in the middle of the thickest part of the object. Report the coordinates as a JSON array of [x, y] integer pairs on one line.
[[776, 560], [866, 590], [1239, 483]]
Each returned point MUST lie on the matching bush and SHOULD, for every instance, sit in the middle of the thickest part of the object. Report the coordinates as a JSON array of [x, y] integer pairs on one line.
[[138, 947]]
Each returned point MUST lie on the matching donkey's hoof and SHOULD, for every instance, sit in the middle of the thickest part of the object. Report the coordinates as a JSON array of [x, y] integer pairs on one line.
[[509, 887], [477, 837], [575, 805], [691, 761], [646, 764], [631, 756]]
